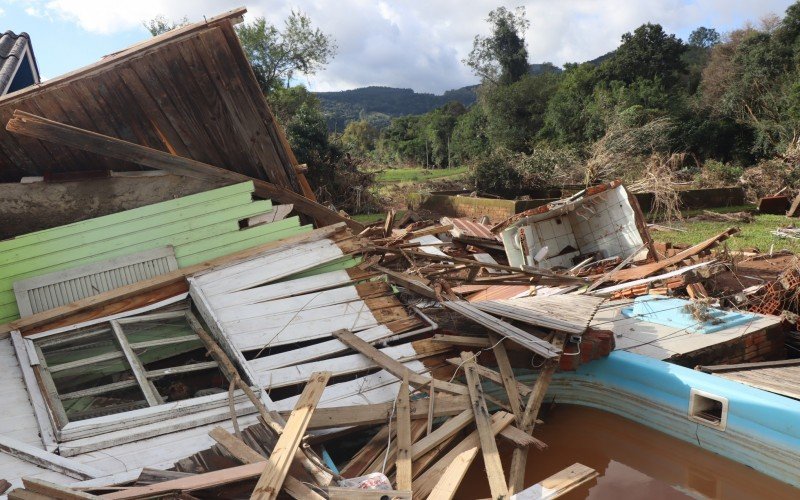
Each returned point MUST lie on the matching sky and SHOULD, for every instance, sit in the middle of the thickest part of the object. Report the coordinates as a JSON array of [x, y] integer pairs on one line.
[[416, 44]]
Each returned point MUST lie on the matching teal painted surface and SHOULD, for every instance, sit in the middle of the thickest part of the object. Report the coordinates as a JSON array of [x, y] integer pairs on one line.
[[673, 312], [763, 429], [200, 227]]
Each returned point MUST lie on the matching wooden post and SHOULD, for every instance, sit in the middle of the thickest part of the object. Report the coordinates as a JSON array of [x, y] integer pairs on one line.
[[271, 480], [52, 131], [491, 457], [519, 457], [403, 437]]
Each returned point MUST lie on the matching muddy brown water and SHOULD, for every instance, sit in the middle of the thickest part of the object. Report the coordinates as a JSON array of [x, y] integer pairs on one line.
[[634, 462]]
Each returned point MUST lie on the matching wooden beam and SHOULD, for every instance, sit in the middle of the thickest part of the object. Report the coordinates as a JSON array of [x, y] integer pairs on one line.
[[491, 456], [521, 337], [403, 461], [52, 490], [464, 453], [492, 375], [47, 460], [559, 483], [462, 340], [338, 493], [507, 376], [158, 282], [378, 413], [67, 135], [271, 481], [196, 482], [519, 457], [395, 367], [247, 455], [449, 428]]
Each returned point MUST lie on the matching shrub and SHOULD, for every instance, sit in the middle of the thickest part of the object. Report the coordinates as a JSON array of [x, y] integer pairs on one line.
[[718, 174]]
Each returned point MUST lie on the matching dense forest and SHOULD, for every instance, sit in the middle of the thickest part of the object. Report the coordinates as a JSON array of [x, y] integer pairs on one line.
[[703, 109], [715, 109]]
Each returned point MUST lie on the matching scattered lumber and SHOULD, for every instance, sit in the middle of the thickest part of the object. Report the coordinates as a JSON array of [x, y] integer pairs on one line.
[[271, 480], [491, 457], [519, 456]]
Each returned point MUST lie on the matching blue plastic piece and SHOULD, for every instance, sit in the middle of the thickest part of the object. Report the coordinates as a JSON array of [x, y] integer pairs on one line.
[[675, 313]]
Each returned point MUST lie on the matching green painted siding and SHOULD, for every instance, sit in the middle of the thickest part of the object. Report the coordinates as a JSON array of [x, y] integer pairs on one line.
[[200, 227]]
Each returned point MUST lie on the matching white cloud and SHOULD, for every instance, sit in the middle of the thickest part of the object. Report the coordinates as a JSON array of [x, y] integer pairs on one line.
[[420, 44]]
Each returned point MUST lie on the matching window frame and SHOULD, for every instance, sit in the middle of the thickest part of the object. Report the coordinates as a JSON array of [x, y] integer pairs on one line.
[[64, 431]]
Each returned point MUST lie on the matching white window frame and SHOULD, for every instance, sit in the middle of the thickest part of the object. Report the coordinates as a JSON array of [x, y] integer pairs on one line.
[[160, 419]]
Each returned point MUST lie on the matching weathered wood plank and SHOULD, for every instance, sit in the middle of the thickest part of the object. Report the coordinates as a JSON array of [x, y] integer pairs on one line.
[[271, 481], [491, 456], [403, 461], [395, 367], [519, 457], [464, 453], [507, 376], [51, 461], [247, 455], [558, 484]]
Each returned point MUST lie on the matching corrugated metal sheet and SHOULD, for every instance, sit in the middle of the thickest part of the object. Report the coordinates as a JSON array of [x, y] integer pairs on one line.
[[470, 228], [190, 92], [199, 227], [56, 289]]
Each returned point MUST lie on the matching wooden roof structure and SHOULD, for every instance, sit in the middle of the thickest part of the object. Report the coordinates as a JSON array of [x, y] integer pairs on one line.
[[190, 92]]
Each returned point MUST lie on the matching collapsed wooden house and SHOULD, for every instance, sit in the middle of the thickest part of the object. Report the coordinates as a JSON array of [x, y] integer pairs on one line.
[[216, 345]]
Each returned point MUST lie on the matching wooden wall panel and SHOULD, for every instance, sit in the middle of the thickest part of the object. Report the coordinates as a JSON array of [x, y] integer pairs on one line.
[[190, 92]]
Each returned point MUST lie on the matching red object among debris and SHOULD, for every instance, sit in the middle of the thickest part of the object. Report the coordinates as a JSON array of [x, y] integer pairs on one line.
[[595, 344]]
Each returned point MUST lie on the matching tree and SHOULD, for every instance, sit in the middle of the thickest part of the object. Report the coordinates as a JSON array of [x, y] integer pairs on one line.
[[570, 116], [515, 113], [646, 53], [704, 38], [502, 57], [160, 24], [359, 137], [277, 55]]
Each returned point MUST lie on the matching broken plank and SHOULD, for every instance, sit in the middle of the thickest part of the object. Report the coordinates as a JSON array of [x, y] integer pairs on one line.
[[247, 455], [339, 493], [395, 367], [192, 483], [47, 460], [55, 491], [519, 457], [462, 340], [462, 454], [491, 456], [507, 376], [403, 461], [558, 484], [448, 429], [271, 481], [523, 338]]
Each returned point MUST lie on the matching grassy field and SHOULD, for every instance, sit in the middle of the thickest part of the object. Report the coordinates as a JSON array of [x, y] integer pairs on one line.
[[419, 174], [757, 234]]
